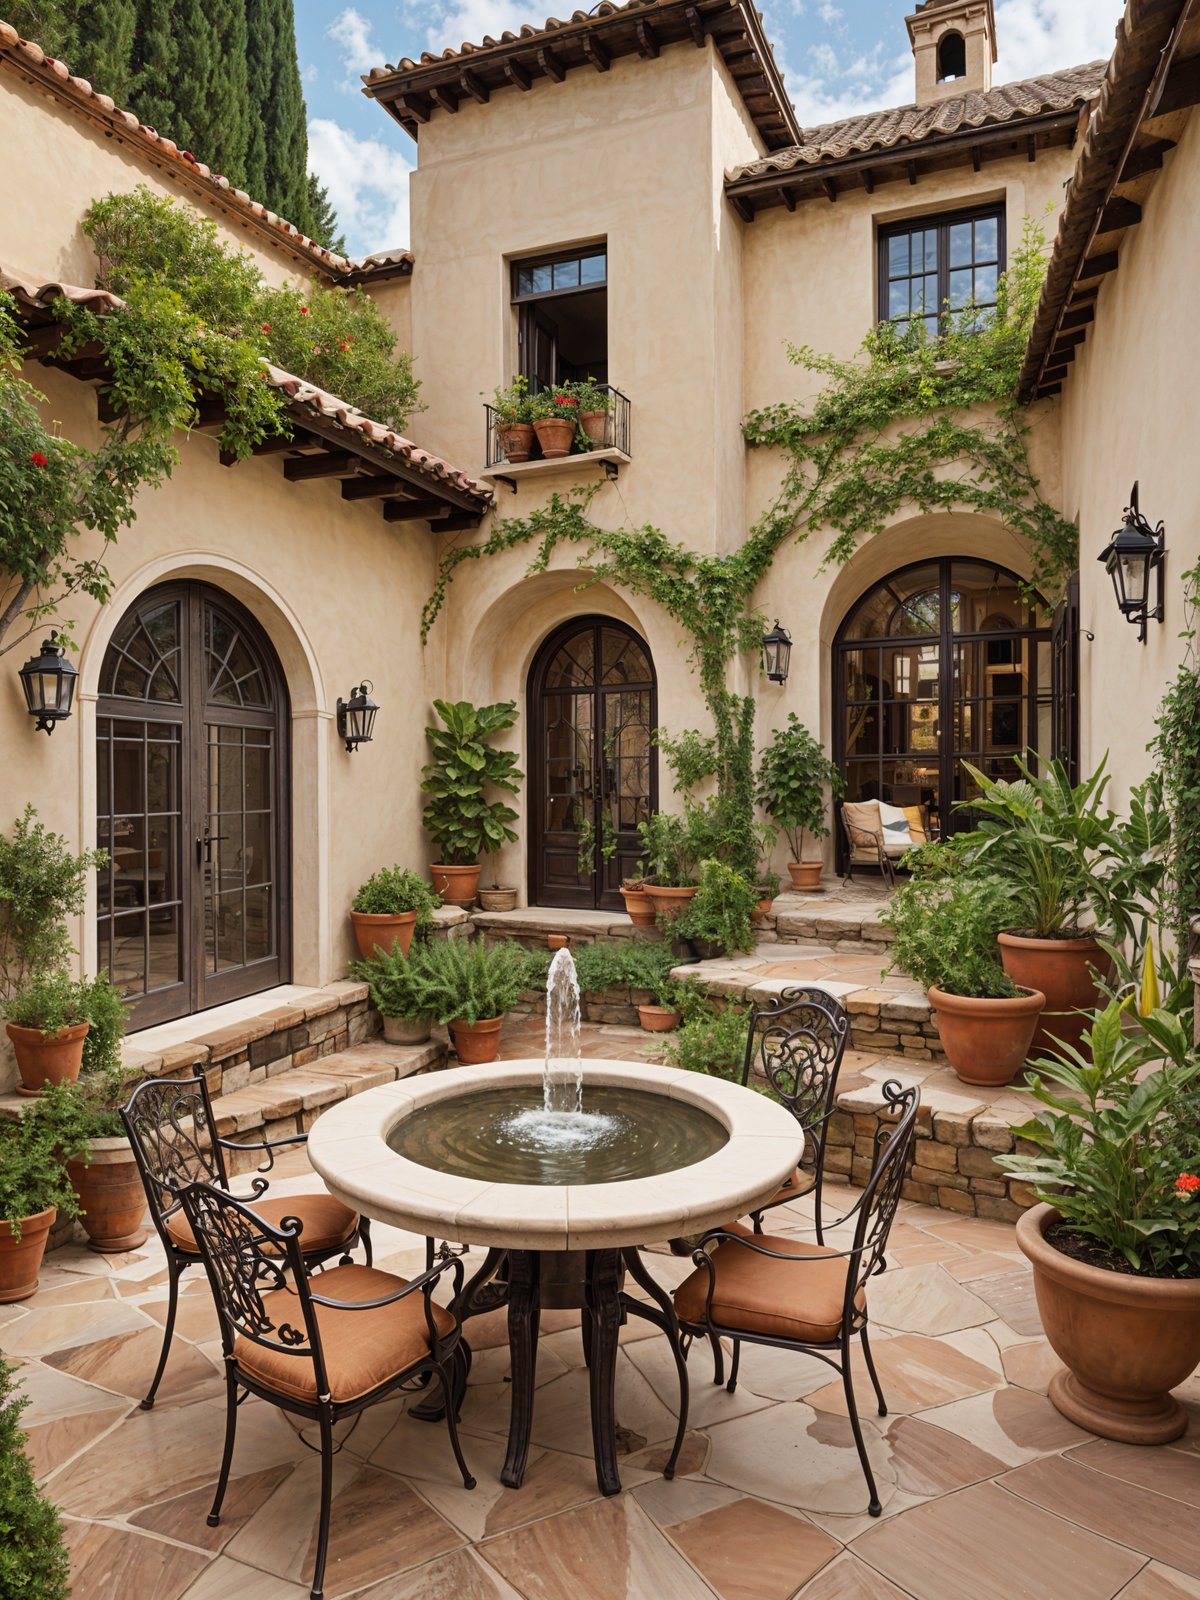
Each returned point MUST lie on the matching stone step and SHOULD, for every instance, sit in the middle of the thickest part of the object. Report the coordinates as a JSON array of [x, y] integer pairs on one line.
[[842, 921]]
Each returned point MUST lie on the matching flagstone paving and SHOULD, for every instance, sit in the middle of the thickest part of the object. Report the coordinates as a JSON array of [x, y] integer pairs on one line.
[[988, 1493]]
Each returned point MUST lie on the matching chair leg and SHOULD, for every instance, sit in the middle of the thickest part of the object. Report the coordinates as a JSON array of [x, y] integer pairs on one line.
[[364, 1237], [173, 1274], [733, 1366], [325, 1420], [445, 1378], [718, 1359], [866, 1344], [430, 1250], [231, 1412], [756, 1217], [873, 1505], [816, 1190]]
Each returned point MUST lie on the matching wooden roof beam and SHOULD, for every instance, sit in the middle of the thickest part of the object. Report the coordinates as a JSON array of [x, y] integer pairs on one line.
[[647, 39], [414, 106], [331, 464], [1145, 158], [412, 510], [1181, 89], [471, 83], [268, 447], [695, 23], [1097, 266], [830, 188], [370, 487], [443, 95], [551, 66], [518, 74], [1119, 214], [1079, 318], [596, 53]]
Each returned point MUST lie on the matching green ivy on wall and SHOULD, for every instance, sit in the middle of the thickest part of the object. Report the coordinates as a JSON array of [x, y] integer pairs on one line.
[[1176, 749]]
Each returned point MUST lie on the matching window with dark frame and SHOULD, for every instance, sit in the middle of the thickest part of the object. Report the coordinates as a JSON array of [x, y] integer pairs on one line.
[[561, 302], [935, 263]]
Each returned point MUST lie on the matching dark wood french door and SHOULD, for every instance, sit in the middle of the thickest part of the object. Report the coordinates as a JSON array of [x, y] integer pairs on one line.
[[192, 805], [593, 774]]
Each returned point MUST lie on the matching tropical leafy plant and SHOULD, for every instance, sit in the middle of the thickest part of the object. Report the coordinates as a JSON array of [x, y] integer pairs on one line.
[[944, 919], [669, 849], [794, 775], [721, 911], [462, 821], [33, 1174], [1114, 1156], [42, 883], [392, 891], [466, 980], [33, 1555]]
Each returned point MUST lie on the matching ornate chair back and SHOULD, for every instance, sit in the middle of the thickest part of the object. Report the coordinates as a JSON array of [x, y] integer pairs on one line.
[[890, 1162], [170, 1126]]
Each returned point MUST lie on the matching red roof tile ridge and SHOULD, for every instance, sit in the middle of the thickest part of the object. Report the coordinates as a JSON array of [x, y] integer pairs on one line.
[[29, 291], [606, 8]]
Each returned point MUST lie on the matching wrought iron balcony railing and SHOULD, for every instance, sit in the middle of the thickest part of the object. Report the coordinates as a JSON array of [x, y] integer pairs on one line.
[[612, 435]]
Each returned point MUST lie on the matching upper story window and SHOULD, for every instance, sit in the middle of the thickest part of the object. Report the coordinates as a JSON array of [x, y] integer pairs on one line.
[[938, 261], [561, 302], [951, 57]]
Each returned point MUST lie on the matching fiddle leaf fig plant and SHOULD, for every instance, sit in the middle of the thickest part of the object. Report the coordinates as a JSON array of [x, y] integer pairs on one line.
[[793, 775], [460, 818]]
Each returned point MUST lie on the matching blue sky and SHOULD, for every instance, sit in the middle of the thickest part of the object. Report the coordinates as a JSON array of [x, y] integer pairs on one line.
[[838, 57]]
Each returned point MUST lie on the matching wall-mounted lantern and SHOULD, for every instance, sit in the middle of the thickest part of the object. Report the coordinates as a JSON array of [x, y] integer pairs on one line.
[[49, 682], [1133, 554], [777, 653], [356, 716]]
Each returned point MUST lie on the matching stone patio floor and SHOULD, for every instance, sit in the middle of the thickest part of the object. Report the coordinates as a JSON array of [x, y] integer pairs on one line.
[[988, 1493]]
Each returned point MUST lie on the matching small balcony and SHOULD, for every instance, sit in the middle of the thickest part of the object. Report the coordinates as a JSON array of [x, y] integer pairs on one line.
[[601, 439]]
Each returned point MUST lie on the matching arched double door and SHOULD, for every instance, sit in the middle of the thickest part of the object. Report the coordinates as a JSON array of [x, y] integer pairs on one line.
[[192, 776], [593, 775]]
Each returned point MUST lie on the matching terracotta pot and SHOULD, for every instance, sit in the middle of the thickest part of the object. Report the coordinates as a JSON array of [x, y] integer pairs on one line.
[[42, 1059], [457, 886], [670, 902], [763, 908], [557, 941], [515, 440], [658, 1019], [374, 931], [1126, 1341], [111, 1195], [639, 907], [595, 425], [21, 1260], [1060, 968], [555, 435], [475, 1042], [805, 875], [986, 1041], [407, 1030], [498, 899]]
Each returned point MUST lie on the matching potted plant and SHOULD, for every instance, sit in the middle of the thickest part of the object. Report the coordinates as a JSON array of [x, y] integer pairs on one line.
[[793, 775], [595, 403], [638, 905], [766, 887], [389, 909], [497, 896], [397, 993], [944, 921], [719, 919], [42, 883], [34, 1189], [1076, 874], [469, 986], [48, 1023], [462, 821], [34, 1562], [1115, 1241], [555, 419], [514, 420], [670, 854]]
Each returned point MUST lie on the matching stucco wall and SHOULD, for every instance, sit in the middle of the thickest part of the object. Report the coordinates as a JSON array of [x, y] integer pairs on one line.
[[1129, 412]]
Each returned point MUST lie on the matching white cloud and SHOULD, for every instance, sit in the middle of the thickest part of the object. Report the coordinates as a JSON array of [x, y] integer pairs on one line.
[[367, 182], [352, 34], [446, 24], [1038, 36]]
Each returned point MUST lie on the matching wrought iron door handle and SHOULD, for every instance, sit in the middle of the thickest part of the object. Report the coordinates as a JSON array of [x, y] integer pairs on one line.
[[204, 847]]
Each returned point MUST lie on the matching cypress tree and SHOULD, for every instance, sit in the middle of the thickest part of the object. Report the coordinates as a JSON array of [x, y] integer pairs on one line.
[[155, 65], [323, 218], [278, 134], [212, 114]]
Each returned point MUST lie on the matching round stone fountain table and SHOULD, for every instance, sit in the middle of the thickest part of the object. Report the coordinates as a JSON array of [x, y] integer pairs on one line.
[[559, 1245]]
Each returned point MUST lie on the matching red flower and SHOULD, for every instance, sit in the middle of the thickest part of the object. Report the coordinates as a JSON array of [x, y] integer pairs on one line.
[[564, 400], [266, 327], [1187, 1183], [39, 460], [303, 311], [343, 344]]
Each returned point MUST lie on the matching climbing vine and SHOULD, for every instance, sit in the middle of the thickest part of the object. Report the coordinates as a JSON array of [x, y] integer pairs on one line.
[[1176, 749], [909, 421]]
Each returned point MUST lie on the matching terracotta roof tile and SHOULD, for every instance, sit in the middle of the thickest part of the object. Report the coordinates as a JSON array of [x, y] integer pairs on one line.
[[911, 125], [36, 296], [551, 25]]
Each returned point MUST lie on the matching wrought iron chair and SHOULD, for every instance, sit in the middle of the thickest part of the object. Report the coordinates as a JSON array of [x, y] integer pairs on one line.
[[770, 1290], [322, 1348], [798, 1039], [173, 1132]]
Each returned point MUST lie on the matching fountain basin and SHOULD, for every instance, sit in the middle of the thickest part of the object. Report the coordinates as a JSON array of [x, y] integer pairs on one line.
[[757, 1144]]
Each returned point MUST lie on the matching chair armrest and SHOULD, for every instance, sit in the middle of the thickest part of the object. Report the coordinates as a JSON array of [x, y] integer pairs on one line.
[[424, 1282], [702, 1257], [269, 1145]]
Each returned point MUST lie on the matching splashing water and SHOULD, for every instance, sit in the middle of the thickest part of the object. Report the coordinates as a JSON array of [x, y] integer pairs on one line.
[[562, 1075]]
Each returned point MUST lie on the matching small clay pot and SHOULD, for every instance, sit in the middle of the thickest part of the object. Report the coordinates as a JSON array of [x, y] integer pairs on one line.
[[763, 908], [47, 1058], [374, 931], [407, 1030], [111, 1195], [476, 1042], [497, 899], [457, 886], [805, 875], [987, 1041], [1062, 970], [670, 902], [658, 1019], [595, 425], [555, 435], [21, 1259], [515, 440], [558, 941]]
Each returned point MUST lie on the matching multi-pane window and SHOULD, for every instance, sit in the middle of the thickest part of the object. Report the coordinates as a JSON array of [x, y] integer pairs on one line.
[[929, 265], [561, 303]]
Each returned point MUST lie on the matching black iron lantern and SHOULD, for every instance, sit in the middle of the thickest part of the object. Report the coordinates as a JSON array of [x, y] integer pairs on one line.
[[356, 717], [1133, 558], [49, 682], [777, 653]]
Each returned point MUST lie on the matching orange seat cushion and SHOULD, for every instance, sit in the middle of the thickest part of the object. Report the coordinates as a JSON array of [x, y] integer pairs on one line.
[[325, 1222], [800, 1298], [362, 1349]]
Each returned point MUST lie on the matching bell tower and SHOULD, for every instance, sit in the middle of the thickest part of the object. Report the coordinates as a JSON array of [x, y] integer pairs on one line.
[[954, 44]]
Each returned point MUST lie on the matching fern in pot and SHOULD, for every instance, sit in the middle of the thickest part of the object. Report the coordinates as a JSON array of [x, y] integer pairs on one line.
[[469, 986], [397, 993]]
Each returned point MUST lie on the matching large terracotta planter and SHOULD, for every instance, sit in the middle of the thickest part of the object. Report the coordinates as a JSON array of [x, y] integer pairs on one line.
[[497, 899], [476, 1042], [515, 440], [658, 1019], [21, 1259], [47, 1058], [374, 931], [555, 435], [595, 425], [986, 1041], [457, 886], [1061, 969], [407, 1030], [639, 907], [805, 875], [1126, 1341], [670, 902], [111, 1196]]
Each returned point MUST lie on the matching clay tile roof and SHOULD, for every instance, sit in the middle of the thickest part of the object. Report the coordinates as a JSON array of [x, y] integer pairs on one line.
[[912, 125], [36, 296], [78, 93]]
